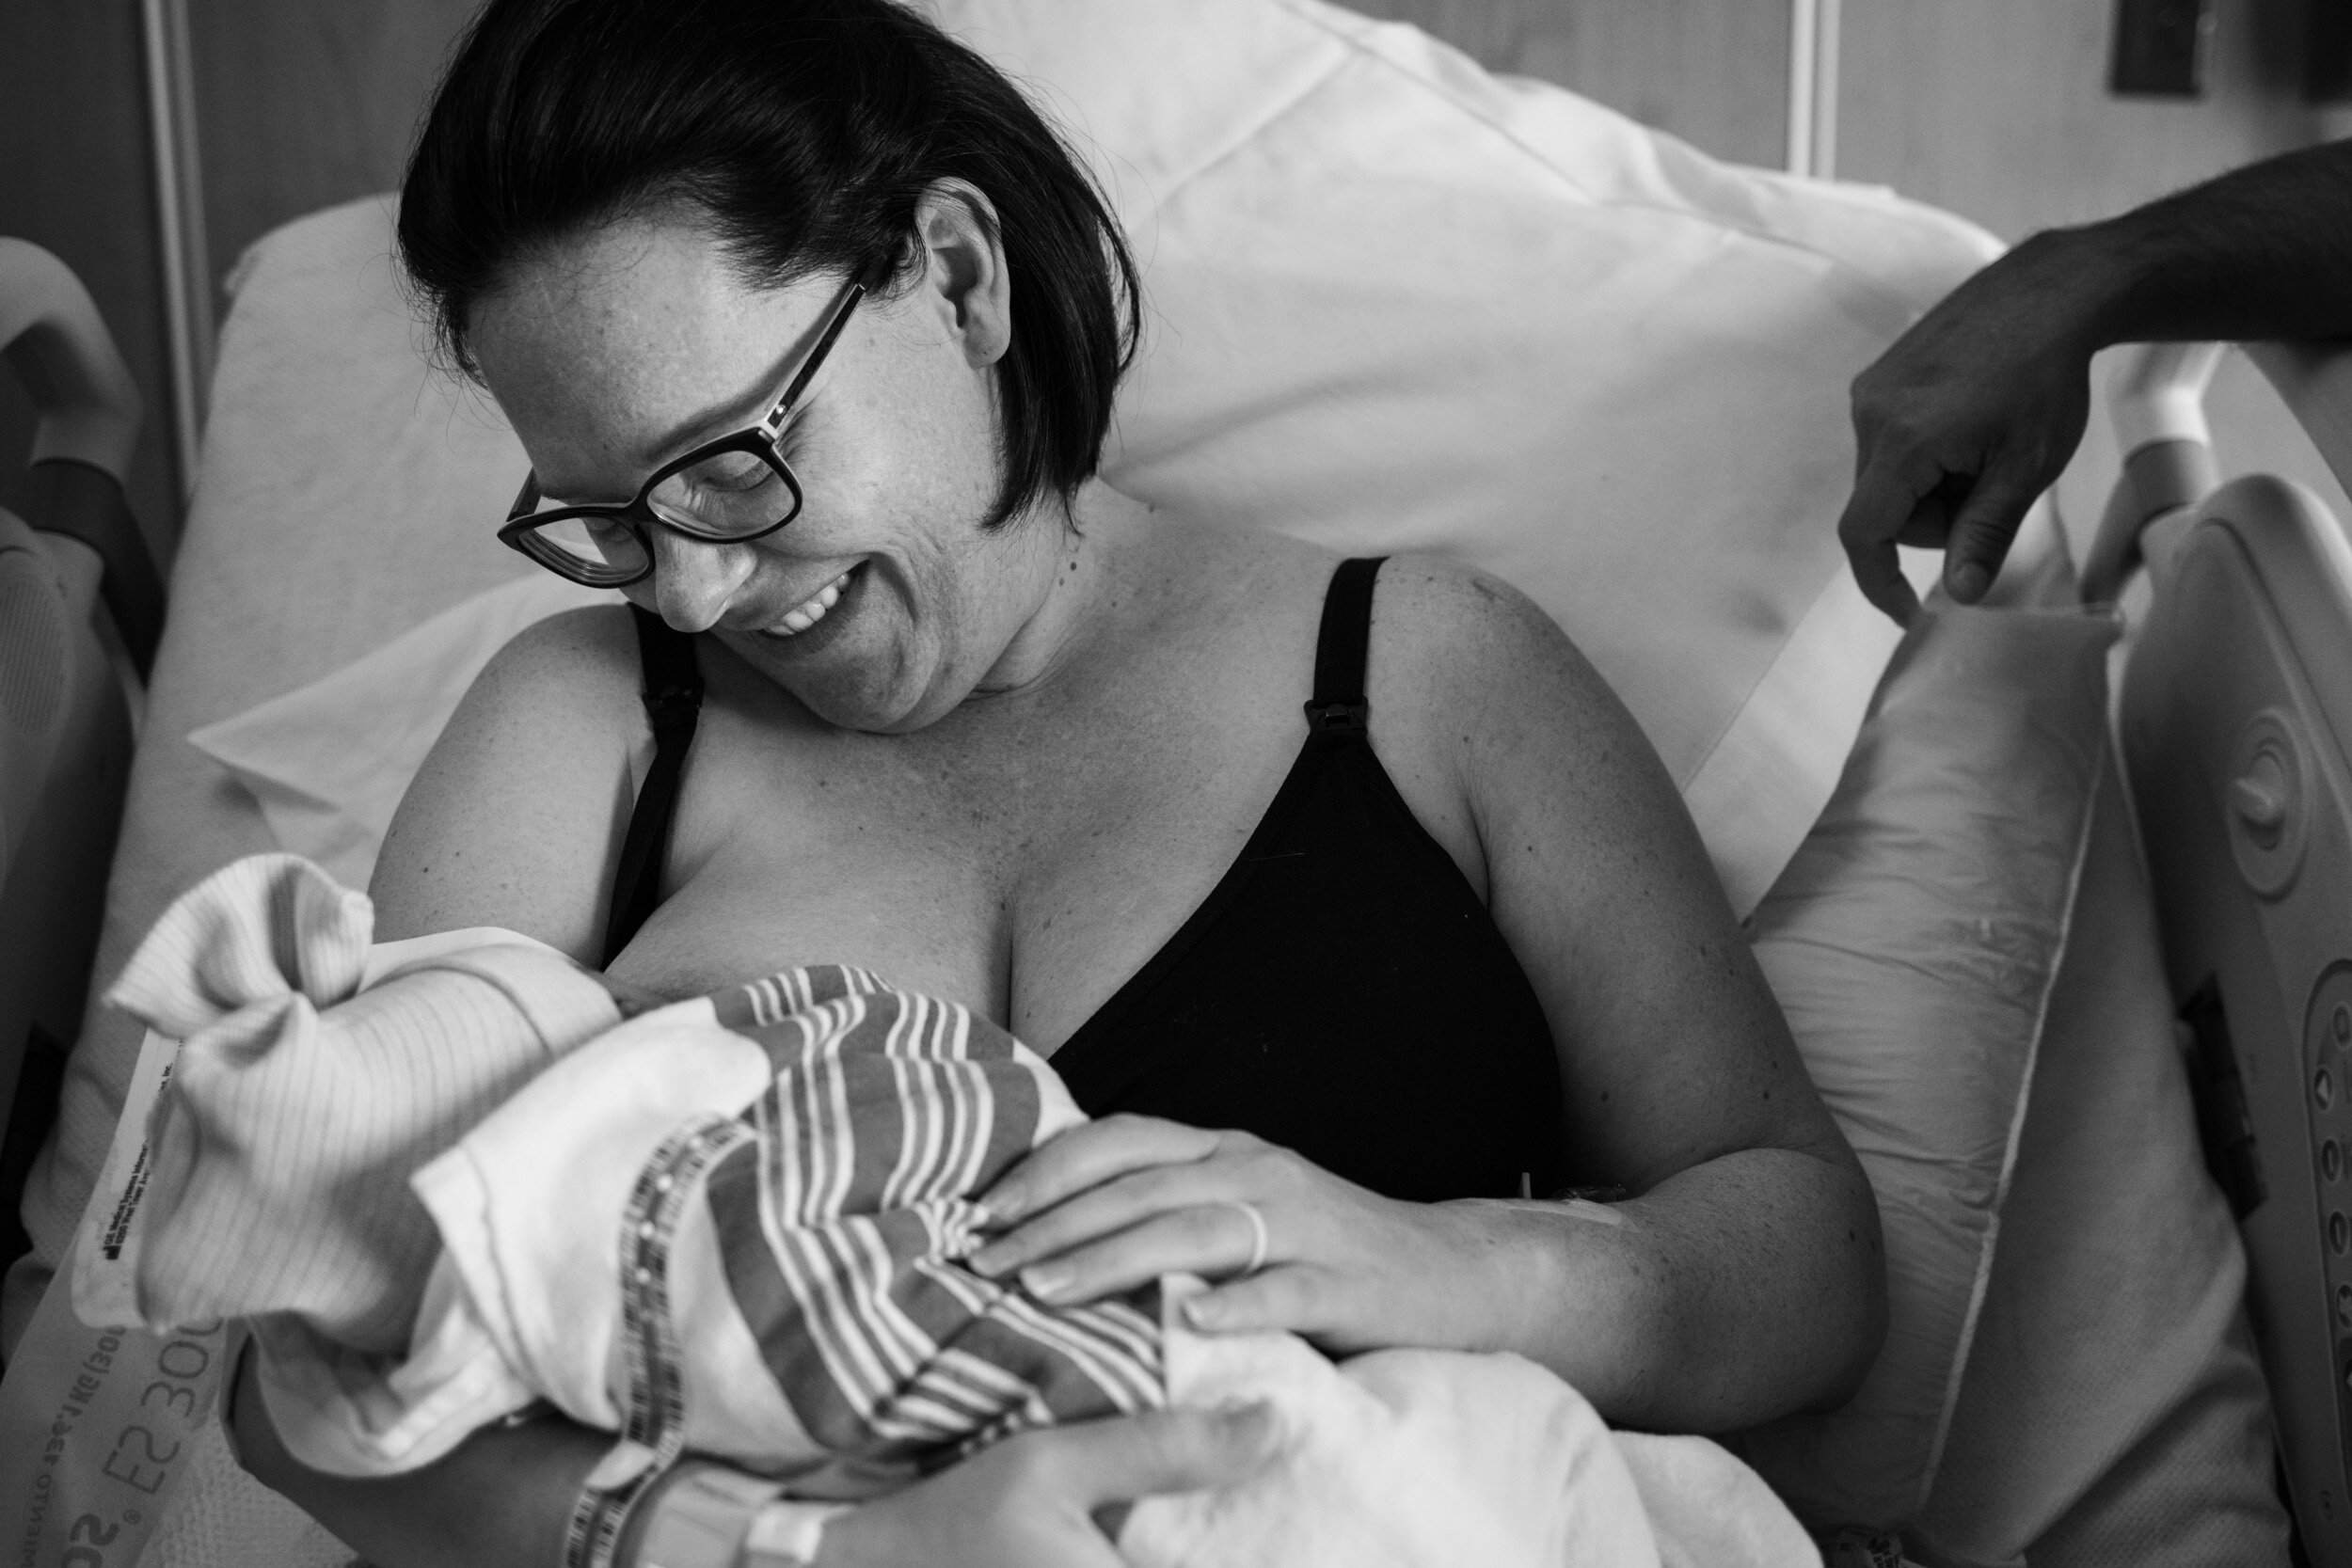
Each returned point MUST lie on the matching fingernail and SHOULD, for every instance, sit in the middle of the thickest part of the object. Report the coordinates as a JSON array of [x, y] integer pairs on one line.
[[1045, 1283], [1203, 1311], [1002, 1208], [990, 1261], [1970, 583]]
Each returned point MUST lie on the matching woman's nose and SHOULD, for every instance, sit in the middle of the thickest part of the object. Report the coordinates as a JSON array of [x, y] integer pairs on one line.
[[693, 583]]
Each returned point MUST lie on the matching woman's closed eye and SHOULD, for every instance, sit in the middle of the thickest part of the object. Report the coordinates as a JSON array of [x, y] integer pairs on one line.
[[728, 473]]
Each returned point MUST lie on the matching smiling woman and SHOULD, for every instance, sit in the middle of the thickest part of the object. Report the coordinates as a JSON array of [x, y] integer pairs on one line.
[[1348, 898]]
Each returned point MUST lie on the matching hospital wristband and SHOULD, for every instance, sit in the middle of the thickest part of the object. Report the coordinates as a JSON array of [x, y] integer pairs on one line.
[[705, 1515], [786, 1534]]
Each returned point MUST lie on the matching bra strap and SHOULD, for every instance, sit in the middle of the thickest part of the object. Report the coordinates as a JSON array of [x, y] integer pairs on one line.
[[1337, 707], [673, 693]]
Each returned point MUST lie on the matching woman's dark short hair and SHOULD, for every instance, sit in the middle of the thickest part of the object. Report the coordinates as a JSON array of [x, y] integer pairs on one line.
[[804, 131]]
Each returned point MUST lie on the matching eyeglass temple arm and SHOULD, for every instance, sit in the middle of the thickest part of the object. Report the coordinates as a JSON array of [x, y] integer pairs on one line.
[[526, 498], [809, 366]]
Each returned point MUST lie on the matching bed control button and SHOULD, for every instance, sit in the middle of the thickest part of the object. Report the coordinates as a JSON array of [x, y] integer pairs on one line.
[[2260, 799], [2330, 1159], [2324, 1088], [2266, 803], [2344, 1306], [2339, 1232], [2342, 1023]]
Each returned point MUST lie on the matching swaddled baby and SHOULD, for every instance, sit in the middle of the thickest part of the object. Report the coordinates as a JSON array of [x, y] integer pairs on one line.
[[450, 1177], [476, 1183]]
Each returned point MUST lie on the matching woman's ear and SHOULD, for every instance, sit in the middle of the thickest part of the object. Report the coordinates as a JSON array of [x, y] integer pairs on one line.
[[965, 269]]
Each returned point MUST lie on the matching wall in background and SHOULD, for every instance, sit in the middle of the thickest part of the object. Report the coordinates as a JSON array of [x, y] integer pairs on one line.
[[1999, 109], [303, 103]]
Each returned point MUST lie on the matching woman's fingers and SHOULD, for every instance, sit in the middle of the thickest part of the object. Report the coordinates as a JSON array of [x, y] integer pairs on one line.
[[1106, 1210], [1296, 1298], [1211, 1239], [1089, 1155]]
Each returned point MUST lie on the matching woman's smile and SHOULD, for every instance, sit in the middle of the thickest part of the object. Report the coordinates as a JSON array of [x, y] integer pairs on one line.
[[810, 610]]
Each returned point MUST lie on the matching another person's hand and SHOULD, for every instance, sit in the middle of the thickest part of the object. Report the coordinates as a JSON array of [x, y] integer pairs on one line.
[[1967, 419], [1114, 1204], [1031, 1501]]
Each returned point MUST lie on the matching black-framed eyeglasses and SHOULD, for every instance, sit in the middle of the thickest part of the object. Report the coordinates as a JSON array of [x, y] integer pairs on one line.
[[726, 491]]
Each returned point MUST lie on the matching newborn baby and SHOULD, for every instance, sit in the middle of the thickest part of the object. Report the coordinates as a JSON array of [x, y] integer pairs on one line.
[[476, 1183]]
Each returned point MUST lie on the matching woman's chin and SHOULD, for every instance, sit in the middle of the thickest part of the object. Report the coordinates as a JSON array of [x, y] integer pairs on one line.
[[849, 685]]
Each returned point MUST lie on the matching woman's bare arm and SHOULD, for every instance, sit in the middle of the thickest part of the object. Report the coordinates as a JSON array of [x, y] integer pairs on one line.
[[516, 817], [504, 1497], [1745, 1277]]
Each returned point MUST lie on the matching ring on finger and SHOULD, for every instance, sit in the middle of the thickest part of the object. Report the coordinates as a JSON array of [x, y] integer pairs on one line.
[[1258, 1239]]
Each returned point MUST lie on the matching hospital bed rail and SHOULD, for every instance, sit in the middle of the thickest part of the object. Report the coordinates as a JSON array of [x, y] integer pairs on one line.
[[2235, 721], [81, 611]]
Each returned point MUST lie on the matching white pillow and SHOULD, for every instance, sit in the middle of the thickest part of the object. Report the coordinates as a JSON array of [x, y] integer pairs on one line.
[[1915, 943]]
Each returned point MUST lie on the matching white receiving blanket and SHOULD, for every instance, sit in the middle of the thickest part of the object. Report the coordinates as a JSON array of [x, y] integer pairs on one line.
[[828, 1331]]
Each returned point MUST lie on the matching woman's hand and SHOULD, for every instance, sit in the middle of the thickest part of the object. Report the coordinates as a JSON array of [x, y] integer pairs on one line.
[[1115, 1204], [1030, 1501]]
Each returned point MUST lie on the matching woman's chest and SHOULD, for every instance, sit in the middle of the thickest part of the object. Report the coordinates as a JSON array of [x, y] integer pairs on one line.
[[1026, 867]]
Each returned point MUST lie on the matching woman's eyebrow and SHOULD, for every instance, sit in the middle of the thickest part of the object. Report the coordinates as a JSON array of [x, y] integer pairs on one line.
[[709, 424], [718, 418]]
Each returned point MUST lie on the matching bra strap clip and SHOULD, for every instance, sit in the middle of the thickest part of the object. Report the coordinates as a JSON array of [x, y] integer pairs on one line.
[[674, 707], [1338, 718]]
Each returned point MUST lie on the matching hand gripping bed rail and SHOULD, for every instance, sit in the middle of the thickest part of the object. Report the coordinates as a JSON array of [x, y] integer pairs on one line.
[[52, 335], [2157, 398]]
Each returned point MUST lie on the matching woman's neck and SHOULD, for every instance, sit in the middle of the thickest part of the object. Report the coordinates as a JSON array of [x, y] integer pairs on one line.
[[1068, 558]]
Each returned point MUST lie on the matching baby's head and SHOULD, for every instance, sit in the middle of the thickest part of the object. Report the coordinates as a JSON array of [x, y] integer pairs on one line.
[[282, 1148]]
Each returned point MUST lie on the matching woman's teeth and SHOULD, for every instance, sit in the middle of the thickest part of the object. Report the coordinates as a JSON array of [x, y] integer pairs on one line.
[[804, 616]]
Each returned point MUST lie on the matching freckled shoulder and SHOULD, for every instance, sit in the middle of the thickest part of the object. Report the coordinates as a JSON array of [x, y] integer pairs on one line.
[[513, 818], [578, 661], [1463, 648]]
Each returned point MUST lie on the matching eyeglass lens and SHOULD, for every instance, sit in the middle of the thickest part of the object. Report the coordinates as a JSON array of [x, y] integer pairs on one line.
[[725, 495]]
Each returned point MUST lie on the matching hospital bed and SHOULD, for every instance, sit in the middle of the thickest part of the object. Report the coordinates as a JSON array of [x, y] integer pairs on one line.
[[1398, 304]]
